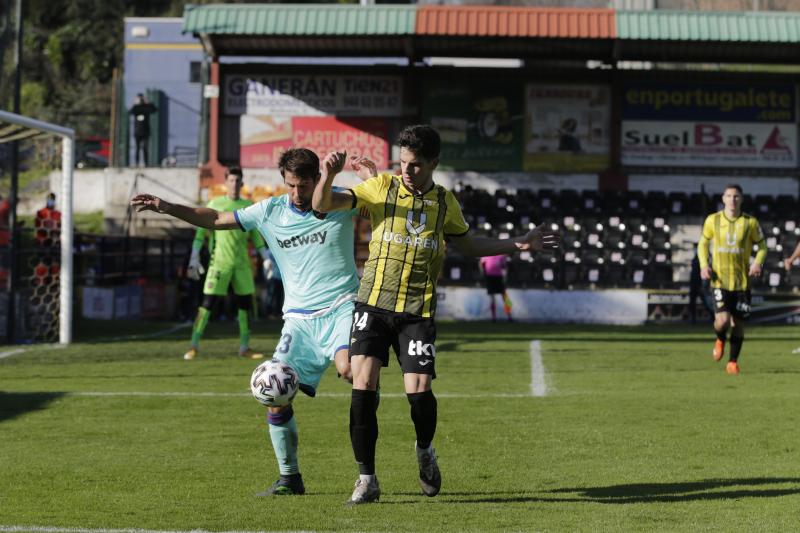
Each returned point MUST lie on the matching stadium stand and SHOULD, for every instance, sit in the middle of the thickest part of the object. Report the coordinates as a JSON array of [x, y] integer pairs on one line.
[[628, 239]]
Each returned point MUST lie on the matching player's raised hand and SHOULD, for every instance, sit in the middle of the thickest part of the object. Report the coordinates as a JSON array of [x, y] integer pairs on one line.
[[540, 239], [334, 163], [148, 202], [364, 167]]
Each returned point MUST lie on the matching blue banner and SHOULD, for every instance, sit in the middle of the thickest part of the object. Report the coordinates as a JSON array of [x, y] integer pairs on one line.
[[709, 102]]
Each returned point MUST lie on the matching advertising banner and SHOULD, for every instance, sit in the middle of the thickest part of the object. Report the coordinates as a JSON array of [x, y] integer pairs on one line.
[[718, 125], [567, 128], [481, 126], [627, 307], [673, 307], [264, 138], [283, 95]]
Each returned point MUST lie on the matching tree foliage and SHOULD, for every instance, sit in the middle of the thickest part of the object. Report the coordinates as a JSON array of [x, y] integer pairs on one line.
[[70, 51]]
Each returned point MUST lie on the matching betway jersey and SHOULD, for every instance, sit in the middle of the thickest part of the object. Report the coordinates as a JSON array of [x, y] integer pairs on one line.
[[315, 255], [407, 248], [228, 248], [732, 244]]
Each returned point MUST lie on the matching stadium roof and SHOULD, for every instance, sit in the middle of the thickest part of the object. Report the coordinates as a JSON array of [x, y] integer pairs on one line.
[[494, 31]]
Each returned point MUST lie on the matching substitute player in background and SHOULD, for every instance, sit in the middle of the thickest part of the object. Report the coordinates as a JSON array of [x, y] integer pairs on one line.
[[730, 235], [229, 265], [396, 304], [315, 255]]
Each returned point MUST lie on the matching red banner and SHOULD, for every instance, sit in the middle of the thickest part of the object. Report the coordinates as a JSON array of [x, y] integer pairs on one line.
[[265, 138]]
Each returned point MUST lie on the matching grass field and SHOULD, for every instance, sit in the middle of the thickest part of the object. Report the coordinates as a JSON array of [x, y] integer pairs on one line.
[[637, 430]]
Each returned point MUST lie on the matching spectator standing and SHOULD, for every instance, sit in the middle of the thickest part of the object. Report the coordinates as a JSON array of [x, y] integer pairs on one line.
[[141, 111]]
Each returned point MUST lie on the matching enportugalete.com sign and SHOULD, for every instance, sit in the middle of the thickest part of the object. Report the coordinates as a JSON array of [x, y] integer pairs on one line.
[[722, 125]]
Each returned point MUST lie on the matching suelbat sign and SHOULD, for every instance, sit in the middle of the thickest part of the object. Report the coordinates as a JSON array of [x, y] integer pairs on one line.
[[722, 125], [722, 144]]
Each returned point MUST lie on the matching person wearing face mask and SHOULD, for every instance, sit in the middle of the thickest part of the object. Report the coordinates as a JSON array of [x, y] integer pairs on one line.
[[48, 222]]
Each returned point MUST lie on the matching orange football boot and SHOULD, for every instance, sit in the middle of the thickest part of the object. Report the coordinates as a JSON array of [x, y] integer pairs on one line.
[[719, 350], [732, 367]]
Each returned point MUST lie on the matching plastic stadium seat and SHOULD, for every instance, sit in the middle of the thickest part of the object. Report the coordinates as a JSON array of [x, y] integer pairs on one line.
[[678, 203], [786, 206], [520, 273], [700, 204], [546, 203], [635, 203], [656, 203], [569, 202], [763, 206], [612, 202], [590, 202], [461, 271]]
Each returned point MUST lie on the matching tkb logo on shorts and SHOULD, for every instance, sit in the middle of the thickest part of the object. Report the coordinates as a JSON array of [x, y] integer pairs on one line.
[[418, 349]]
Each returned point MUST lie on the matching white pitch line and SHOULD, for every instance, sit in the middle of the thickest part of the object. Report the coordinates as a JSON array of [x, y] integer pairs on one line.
[[52, 529], [159, 394], [538, 384], [56, 346], [9, 353]]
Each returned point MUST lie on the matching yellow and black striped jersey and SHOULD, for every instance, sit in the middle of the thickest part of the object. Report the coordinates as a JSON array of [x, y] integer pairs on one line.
[[731, 243], [407, 247]]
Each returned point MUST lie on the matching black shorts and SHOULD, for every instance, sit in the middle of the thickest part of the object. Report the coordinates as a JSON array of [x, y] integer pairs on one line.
[[737, 303], [412, 337], [495, 284]]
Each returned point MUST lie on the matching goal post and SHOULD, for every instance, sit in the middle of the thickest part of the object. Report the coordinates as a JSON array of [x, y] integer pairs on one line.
[[14, 127]]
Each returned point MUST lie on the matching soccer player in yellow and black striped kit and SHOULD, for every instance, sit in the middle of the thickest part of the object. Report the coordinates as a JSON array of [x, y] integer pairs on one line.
[[411, 216], [730, 236]]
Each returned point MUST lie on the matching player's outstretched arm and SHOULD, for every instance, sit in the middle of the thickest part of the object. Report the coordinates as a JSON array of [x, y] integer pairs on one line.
[[787, 263], [197, 216], [538, 239], [325, 199]]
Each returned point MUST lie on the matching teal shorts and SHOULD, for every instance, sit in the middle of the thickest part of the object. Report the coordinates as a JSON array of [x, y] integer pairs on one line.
[[309, 344]]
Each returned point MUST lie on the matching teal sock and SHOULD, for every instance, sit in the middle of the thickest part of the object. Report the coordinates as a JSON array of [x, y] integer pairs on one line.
[[284, 442]]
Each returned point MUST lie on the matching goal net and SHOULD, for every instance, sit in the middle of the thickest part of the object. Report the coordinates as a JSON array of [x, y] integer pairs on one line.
[[41, 299]]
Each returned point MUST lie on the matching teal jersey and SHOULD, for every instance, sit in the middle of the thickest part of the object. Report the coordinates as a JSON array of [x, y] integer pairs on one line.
[[315, 252], [228, 248]]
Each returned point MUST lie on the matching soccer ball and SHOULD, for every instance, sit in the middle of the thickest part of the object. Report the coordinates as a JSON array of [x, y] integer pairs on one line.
[[274, 383]]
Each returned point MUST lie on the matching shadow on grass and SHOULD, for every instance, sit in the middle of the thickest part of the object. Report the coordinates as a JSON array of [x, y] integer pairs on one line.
[[14, 404], [705, 490]]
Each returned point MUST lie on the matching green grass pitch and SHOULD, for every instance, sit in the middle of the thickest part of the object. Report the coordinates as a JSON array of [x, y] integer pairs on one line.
[[639, 430]]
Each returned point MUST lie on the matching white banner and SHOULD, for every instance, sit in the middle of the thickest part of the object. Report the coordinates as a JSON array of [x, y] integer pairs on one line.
[[723, 144], [619, 307], [280, 95]]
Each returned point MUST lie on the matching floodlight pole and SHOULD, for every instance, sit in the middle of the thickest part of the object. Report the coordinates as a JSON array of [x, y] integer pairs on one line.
[[11, 319]]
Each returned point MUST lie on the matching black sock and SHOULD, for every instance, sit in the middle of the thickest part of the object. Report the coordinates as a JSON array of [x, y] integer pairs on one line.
[[721, 335], [364, 429], [736, 347], [423, 413]]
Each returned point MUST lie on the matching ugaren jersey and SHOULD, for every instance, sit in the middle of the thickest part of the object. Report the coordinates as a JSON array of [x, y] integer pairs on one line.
[[407, 247], [732, 244]]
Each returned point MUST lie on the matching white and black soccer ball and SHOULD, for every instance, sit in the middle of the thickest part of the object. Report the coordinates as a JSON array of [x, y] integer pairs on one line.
[[274, 383]]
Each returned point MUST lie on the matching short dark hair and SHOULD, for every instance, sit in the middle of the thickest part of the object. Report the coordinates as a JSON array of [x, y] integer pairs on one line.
[[301, 162], [235, 171], [734, 186], [422, 140]]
